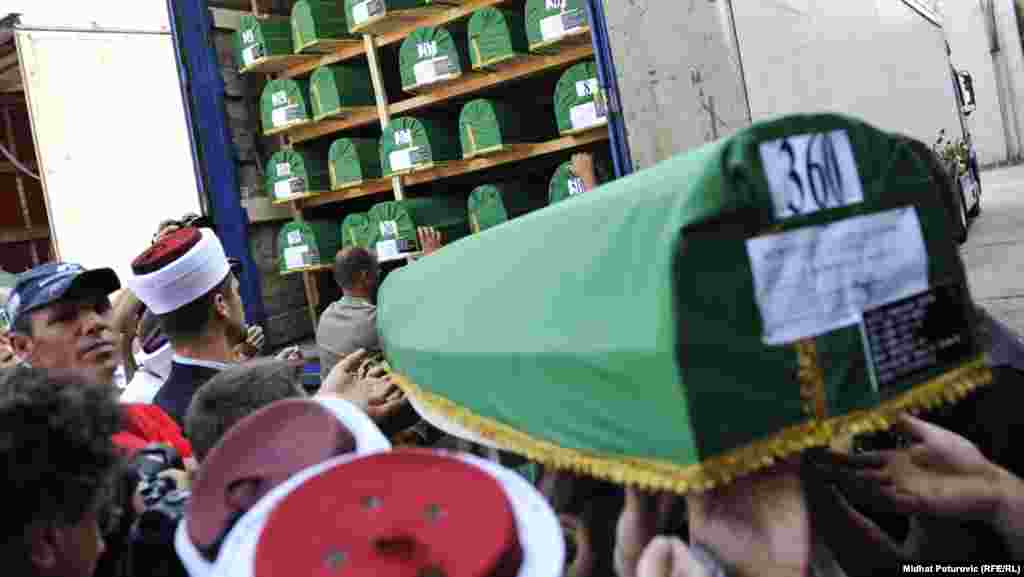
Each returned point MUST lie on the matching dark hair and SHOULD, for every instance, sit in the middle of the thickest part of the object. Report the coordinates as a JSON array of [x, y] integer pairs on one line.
[[234, 393], [352, 261], [56, 450], [190, 321]]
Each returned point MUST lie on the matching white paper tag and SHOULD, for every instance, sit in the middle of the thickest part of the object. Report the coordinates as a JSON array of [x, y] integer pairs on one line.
[[294, 237], [285, 114], [365, 10], [551, 27], [433, 70], [817, 279], [248, 36], [387, 250], [287, 188], [586, 115], [575, 186], [811, 172], [296, 256], [251, 54], [403, 159], [279, 98], [283, 169], [586, 88], [389, 229], [403, 137]]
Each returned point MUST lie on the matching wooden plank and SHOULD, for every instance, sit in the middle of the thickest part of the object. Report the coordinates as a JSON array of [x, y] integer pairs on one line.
[[262, 209], [288, 127], [505, 72], [330, 46], [9, 235], [279, 63], [514, 153], [367, 188], [317, 268], [365, 116], [430, 16], [574, 37], [9, 168], [377, 76]]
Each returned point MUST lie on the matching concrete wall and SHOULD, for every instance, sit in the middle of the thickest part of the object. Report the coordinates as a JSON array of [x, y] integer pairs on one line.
[[878, 60]]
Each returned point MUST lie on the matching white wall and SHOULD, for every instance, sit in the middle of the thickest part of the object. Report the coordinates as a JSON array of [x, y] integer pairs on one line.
[[130, 14], [875, 59]]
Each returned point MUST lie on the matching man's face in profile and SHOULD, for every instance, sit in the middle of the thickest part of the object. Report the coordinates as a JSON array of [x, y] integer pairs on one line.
[[71, 333]]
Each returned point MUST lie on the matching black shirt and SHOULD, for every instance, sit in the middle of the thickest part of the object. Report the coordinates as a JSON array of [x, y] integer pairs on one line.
[[183, 382]]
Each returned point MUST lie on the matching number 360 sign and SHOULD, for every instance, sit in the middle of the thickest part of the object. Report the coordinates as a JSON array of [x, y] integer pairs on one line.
[[811, 172]]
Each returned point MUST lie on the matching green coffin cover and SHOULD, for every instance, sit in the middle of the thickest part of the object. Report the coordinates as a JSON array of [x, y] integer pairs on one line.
[[565, 183], [548, 21], [295, 173], [356, 230], [317, 20], [493, 204], [362, 11], [307, 244], [433, 54], [699, 319], [334, 88], [284, 102], [258, 38], [579, 104], [352, 161], [410, 143], [496, 35], [393, 223], [487, 125]]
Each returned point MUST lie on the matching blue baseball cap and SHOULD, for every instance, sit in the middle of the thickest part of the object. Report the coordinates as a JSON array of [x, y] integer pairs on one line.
[[54, 281]]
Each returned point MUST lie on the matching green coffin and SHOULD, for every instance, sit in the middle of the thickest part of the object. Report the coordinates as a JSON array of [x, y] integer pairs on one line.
[[431, 55], [296, 173], [393, 223], [579, 103], [336, 89], [363, 12], [493, 204], [307, 244], [699, 319], [409, 144], [353, 161], [356, 230], [551, 21], [284, 103], [496, 35], [488, 126], [318, 23], [259, 38], [565, 183]]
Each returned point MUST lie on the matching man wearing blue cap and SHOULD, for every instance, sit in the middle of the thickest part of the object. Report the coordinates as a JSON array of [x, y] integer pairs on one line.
[[59, 316]]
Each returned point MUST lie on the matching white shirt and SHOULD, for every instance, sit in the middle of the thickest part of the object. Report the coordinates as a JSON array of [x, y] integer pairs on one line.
[[153, 371]]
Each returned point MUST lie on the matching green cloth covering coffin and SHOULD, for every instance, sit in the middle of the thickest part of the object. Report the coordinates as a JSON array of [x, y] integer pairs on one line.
[[337, 87], [356, 230], [565, 183], [258, 38], [353, 161], [317, 21], [493, 204], [579, 103], [361, 12], [284, 103], [307, 244], [696, 320], [414, 143], [295, 173], [393, 223], [549, 21], [487, 125], [496, 35], [433, 54]]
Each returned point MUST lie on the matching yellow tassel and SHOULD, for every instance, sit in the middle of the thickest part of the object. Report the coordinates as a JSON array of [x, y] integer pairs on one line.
[[662, 475]]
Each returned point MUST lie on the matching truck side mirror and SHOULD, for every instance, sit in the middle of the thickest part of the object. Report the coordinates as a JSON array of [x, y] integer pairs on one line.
[[967, 92]]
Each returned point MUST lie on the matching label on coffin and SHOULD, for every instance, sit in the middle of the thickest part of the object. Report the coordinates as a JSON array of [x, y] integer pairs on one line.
[[559, 25], [394, 248], [289, 187], [294, 237], [811, 172], [252, 53], [365, 10], [407, 158], [588, 114], [285, 115], [297, 257], [433, 70]]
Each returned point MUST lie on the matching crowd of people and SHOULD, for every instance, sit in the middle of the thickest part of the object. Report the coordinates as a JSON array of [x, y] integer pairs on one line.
[[209, 459]]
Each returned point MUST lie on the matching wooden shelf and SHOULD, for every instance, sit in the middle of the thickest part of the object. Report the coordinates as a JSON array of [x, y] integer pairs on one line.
[[318, 48], [514, 153], [309, 131], [365, 189], [9, 235], [278, 64], [575, 37], [396, 31], [502, 72]]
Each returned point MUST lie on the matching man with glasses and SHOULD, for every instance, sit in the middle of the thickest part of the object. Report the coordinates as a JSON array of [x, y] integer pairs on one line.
[[186, 280]]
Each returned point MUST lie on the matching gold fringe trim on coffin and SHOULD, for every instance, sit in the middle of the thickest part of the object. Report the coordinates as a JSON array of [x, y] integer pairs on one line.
[[661, 475]]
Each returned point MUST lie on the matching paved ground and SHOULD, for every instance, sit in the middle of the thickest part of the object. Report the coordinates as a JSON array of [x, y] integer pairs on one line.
[[994, 252]]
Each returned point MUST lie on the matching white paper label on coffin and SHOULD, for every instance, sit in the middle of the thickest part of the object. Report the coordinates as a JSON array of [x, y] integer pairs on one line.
[[402, 159], [586, 115], [295, 256], [807, 173], [818, 279], [551, 27], [285, 188], [284, 115], [251, 54], [389, 229], [283, 169], [387, 250], [294, 237], [361, 12], [433, 70], [586, 88]]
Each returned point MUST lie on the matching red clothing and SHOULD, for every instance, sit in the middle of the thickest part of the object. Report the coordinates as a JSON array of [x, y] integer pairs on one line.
[[145, 424]]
